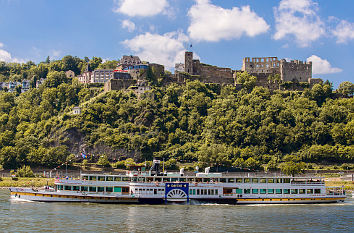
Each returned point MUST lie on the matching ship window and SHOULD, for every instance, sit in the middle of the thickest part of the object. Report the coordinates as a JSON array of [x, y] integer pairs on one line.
[[216, 192], [60, 187], [92, 177], [166, 179], [206, 180], [247, 180], [84, 188], [109, 189], [174, 179], [155, 191], [193, 191], [198, 192], [67, 187], [262, 191], [190, 179], [279, 180], [84, 177], [125, 178], [149, 179], [278, 191], [158, 179], [199, 180], [294, 191], [209, 193], [109, 178], [247, 191], [239, 191], [92, 189], [125, 189], [101, 178], [309, 191], [117, 189], [238, 180], [254, 191], [255, 180], [190, 192], [212, 192], [100, 189], [231, 180], [222, 180], [270, 191], [134, 179], [286, 191], [301, 191], [182, 179], [287, 180], [263, 180], [76, 188], [270, 180], [117, 178], [141, 179], [317, 190]]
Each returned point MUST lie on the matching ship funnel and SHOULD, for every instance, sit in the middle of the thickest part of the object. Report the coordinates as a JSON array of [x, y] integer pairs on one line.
[[207, 169], [181, 171]]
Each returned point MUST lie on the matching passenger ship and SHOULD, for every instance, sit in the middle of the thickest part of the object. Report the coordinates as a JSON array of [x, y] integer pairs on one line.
[[153, 187]]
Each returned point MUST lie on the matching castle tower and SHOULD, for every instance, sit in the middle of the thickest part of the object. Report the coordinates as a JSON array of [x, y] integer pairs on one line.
[[188, 62]]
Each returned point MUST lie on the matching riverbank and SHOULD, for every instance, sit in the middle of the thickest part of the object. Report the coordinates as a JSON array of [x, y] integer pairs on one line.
[[6, 182]]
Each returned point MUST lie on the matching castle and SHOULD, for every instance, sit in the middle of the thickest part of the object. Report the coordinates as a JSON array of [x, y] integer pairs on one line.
[[270, 72]]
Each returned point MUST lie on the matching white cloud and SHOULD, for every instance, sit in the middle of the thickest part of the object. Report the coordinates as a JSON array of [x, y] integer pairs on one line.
[[322, 66], [164, 49], [298, 18], [213, 23], [129, 25], [142, 8], [344, 31], [7, 57]]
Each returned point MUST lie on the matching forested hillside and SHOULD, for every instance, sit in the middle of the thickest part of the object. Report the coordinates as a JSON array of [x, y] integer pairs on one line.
[[194, 122]]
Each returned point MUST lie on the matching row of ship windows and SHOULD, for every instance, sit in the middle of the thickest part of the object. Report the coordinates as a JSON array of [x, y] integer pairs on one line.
[[184, 179], [191, 191], [278, 191]]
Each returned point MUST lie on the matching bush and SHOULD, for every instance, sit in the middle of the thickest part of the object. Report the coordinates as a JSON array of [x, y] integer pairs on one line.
[[84, 164], [24, 171], [346, 166], [120, 164], [103, 161]]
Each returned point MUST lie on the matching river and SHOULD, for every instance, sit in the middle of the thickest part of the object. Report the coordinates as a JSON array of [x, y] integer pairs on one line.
[[18, 216]]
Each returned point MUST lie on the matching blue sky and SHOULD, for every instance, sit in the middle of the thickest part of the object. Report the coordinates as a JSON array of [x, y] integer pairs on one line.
[[221, 32]]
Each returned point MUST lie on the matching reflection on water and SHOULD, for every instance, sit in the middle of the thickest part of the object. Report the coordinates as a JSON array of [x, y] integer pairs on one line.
[[18, 216]]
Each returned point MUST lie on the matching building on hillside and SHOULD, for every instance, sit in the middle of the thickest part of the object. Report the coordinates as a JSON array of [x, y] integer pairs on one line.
[[76, 110], [294, 70], [101, 75], [130, 60], [39, 82], [118, 84], [85, 77], [195, 70], [70, 74]]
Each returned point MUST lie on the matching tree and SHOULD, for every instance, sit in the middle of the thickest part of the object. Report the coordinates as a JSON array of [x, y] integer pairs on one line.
[[346, 88], [292, 168], [248, 81], [103, 161], [55, 78], [24, 171]]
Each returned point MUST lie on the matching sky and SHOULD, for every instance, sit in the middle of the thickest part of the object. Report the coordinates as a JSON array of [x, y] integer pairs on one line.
[[221, 32]]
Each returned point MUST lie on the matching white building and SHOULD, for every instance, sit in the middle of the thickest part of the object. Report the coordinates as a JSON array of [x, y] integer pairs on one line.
[[101, 75]]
